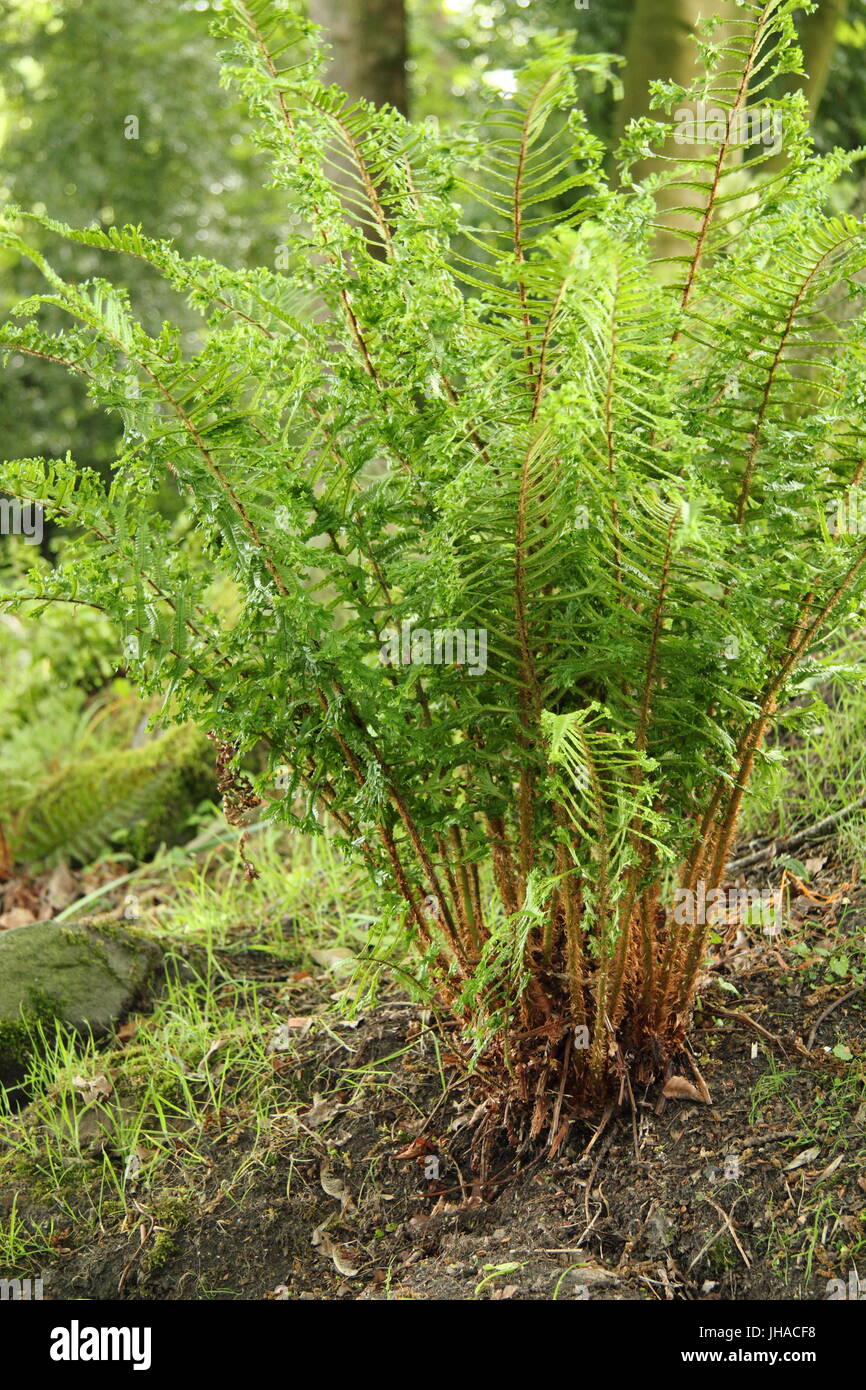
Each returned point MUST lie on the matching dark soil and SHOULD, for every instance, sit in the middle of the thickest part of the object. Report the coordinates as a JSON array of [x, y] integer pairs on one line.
[[376, 1187]]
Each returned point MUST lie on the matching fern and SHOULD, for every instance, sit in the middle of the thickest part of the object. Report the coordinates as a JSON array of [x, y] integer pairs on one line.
[[419, 431], [135, 798]]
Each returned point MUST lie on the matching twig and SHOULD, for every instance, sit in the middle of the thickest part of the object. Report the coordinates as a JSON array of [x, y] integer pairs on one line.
[[634, 1128], [809, 832], [701, 1083], [591, 1179], [757, 1141], [555, 1139], [837, 1003], [753, 1023], [730, 1225]]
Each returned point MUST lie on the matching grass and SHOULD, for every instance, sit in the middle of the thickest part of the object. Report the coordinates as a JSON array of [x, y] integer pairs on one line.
[[22, 1250], [824, 769], [201, 1067]]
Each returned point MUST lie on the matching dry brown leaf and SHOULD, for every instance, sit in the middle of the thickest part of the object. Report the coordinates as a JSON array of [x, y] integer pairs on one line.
[[813, 865], [93, 1088], [678, 1088], [322, 1111], [415, 1149], [16, 917], [334, 1186], [342, 1264], [61, 888]]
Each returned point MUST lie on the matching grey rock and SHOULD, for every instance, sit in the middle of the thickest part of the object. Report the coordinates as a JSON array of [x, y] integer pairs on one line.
[[86, 975]]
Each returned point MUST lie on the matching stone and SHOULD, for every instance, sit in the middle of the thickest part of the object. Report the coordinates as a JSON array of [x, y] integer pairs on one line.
[[86, 975]]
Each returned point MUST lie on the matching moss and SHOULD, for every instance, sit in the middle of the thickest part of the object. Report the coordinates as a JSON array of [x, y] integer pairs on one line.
[[188, 781], [173, 1207], [89, 979], [170, 1210], [160, 1252], [40, 1016]]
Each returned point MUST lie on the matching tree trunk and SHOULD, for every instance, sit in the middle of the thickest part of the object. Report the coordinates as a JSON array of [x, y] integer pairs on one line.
[[817, 40], [368, 48], [661, 46]]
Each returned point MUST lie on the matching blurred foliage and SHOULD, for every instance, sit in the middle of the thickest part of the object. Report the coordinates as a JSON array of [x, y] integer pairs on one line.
[[459, 47], [132, 799], [55, 662], [78, 773], [77, 75], [112, 112]]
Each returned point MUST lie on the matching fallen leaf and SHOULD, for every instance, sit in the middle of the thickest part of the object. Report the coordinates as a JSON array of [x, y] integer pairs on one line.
[[595, 1276], [321, 1112], [133, 1168], [417, 1147], [831, 1167], [16, 917], [678, 1088], [334, 1186], [802, 1159], [332, 957], [280, 1040], [342, 1264], [93, 1088], [201, 1071], [61, 888]]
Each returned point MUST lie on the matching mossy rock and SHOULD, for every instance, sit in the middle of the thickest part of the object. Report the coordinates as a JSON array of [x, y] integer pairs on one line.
[[81, 976], [135, 799]]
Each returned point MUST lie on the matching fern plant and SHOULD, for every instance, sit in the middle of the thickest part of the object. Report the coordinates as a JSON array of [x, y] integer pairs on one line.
[[531, 539]]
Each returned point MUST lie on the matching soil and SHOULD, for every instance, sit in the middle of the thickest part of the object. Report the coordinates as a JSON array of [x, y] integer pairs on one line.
[[378, 1186]]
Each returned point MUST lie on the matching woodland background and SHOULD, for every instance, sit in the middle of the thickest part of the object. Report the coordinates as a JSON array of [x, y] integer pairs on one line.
[[112, 111]]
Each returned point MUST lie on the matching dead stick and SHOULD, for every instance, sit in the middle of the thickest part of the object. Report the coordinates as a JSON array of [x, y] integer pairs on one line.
[[809, 832], [827, 1012], [745, 1018]]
